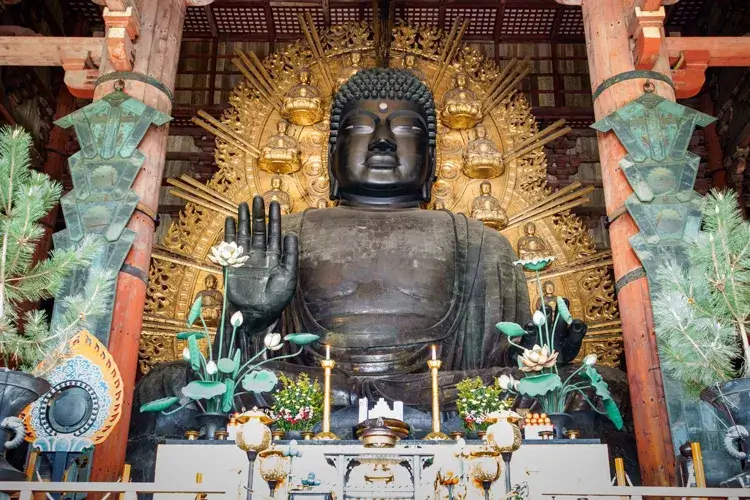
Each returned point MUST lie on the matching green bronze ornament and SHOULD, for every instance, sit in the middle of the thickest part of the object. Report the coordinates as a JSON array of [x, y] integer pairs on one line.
[[101, 201]]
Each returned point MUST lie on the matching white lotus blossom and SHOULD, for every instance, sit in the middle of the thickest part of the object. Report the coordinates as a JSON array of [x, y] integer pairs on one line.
[[590, 360], [211, 367], [537, 358], [186, 354], [236, 319], [272, 341], [506, 382], [227, 254], [539, 319]]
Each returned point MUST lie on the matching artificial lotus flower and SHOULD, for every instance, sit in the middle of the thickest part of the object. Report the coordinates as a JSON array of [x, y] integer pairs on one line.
[[535, 264], [537, 358], [272, 341], [227, 254], [538, 319], [186, 354], [506, 382], [236, 319], [211, 367], [590, 360]]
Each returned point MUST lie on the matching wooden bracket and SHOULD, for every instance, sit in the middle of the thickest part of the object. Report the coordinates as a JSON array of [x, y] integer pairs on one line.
[[122, 28], [648, 37], [689, 74], [80, 74]]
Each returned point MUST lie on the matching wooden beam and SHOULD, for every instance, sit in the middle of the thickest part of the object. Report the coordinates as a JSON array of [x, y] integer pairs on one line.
[[724, 51], [48, 51]]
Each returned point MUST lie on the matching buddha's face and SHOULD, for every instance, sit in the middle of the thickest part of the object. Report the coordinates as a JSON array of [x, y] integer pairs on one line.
[[382, 151], [460, 80], [530, 229], [356, 57], [210, 282], [281, 127], [276, 183], [409, 61], [549, 288], [304, 77], [485, 187], [481, 132]]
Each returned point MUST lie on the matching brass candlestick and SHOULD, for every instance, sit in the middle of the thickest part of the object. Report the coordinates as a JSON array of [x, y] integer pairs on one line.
[[326, 434], [435, 435]]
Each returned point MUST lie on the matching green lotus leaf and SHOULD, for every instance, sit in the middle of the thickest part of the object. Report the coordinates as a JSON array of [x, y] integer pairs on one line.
[[186, 335], [613, 412], [227, 400], [259, 381], [226, 365], [200, 389], [597, 382], [196, 356], [237, 361], [195, 311], [562, 310], [510, 329], [159, 404], [539, 385], [301, 338]]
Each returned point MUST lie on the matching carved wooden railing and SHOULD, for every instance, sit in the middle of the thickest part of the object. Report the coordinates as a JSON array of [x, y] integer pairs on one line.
[[125, 491], [638, 493]]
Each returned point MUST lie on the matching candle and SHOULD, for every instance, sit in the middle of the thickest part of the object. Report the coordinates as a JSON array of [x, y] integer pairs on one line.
[[434, 353], [328, 352]]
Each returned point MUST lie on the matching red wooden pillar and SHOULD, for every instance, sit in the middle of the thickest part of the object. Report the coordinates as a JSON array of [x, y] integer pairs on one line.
[[609, 54], [157, 51]]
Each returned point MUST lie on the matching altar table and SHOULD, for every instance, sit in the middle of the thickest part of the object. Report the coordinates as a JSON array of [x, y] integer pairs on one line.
[[348, 470]]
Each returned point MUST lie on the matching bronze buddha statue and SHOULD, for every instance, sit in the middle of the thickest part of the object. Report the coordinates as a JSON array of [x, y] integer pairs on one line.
[[378, 278]]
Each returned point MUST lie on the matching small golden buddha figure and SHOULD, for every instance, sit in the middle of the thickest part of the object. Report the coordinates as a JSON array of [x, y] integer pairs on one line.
[[531, 246], [482, 160], [461, 107], [212, 301], [438, 205], [281, 154], [409, 62], [488, 209], [277, 193], [303, 104], [550, 299], [355, 58], [321, 203]]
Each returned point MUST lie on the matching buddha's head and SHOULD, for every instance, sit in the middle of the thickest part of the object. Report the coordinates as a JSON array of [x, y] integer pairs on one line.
[[303, 76], [480, 131], [485, 188], [355, 58], [282, 126], [530, 229], [382, 142], [460, 81], [549, 288], [276, 182], [210, 282], [410, 61]]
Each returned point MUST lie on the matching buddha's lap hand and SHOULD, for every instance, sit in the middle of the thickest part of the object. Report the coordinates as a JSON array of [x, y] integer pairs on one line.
[[264, 285]]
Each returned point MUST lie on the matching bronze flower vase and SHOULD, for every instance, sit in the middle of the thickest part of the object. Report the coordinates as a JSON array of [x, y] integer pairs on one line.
[[560, 421], [17, 391], [212, 422]]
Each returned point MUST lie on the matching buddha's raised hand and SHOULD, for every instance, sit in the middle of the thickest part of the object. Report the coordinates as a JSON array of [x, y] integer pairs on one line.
[[264, 285]]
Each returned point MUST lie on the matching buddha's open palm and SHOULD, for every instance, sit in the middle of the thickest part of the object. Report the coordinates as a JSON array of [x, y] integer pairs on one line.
[[264, 285]]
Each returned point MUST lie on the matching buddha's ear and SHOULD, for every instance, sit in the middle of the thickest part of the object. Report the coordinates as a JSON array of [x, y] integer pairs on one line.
[[333, 182], [427, 186]]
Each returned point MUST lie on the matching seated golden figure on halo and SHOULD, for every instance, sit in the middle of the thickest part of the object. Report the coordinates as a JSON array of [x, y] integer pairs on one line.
[[277, 193], [531, 246], [212, 301], [303, 104], [482, 160], [488, 209], [354, 60], [281, 155], [409, 62], [461, 107]]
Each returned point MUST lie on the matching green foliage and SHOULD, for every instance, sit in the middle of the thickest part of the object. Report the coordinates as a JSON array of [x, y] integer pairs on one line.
[[702, 314], [160, 404], [301, 338], [476, 401], [259, 381], [199, 389], [510, 329], [298, 404], [26, 196]]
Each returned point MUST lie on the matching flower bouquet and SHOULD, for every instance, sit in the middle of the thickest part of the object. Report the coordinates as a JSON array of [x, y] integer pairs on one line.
[[541, 379], [298, 404], [221, 374], [476, 401]]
